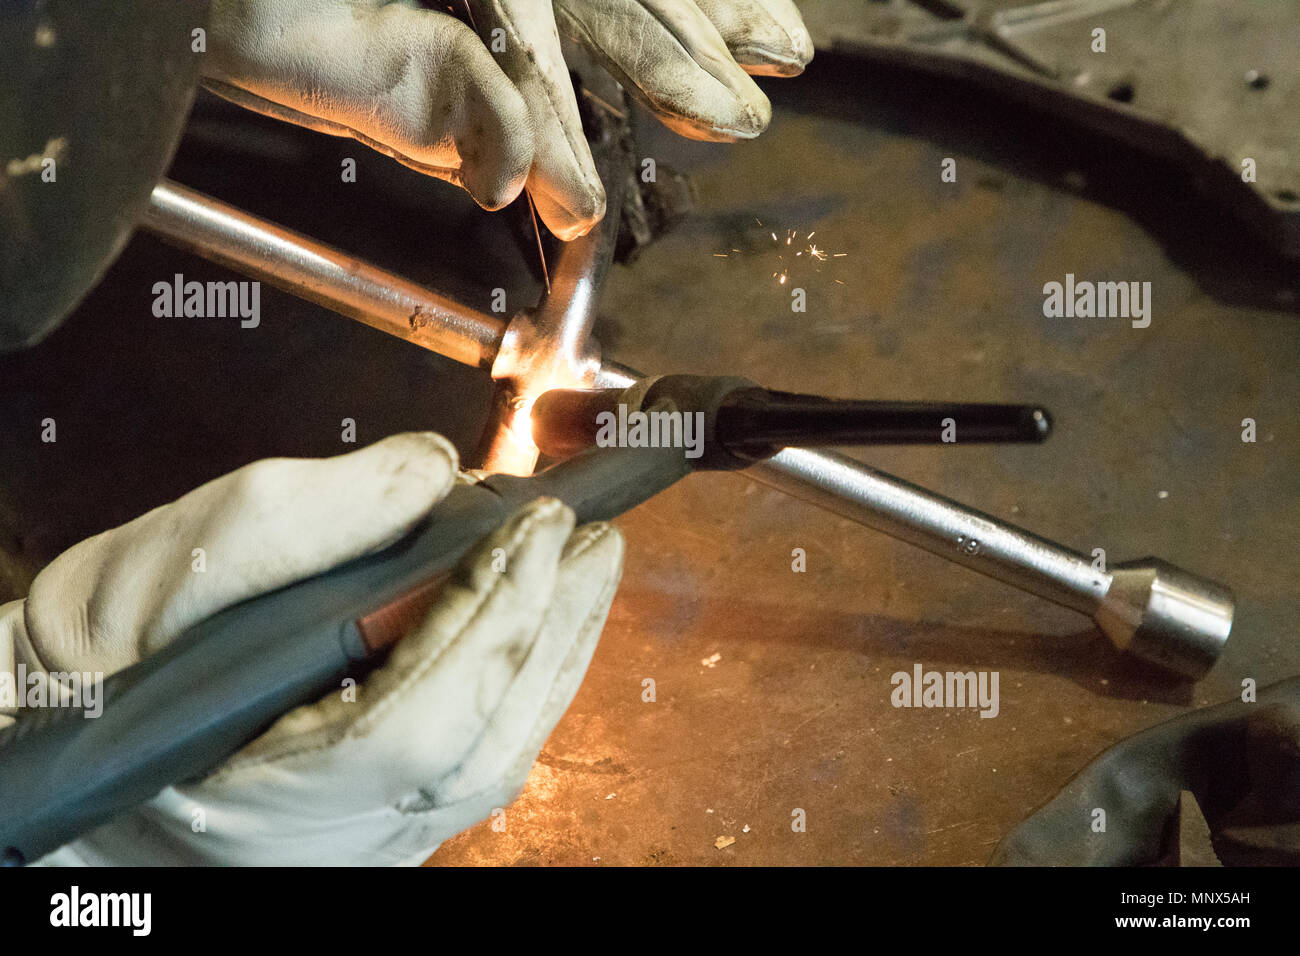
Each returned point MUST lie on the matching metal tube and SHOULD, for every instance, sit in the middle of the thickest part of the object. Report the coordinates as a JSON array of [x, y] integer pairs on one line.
[[321, 274], [939, 525]]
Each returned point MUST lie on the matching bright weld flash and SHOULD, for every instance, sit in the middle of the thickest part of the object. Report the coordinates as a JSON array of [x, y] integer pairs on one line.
[[521, 421]]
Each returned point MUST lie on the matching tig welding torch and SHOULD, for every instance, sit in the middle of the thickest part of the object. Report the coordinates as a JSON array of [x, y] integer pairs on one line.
[[180, 712], [743, 423]]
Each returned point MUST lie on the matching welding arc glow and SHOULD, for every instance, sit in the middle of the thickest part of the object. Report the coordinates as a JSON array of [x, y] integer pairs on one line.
[[521, 420]]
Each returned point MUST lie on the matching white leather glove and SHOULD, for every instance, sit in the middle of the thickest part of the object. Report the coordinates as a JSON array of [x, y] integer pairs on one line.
[[420, 86], [440, 735]]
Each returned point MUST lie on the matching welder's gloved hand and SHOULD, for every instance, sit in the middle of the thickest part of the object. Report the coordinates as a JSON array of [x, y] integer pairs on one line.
[[432, 741], [495, 114], [1240, 760]]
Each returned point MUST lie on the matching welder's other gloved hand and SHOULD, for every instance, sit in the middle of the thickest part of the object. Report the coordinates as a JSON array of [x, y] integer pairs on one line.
[[419, 85], [431, 742], [1240, 760]]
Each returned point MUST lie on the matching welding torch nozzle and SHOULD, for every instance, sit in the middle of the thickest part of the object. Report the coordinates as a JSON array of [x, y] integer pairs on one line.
[[741, 422]]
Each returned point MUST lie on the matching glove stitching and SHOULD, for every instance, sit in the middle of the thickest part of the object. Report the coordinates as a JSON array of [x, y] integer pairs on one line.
[[550, 100], [586, 538]]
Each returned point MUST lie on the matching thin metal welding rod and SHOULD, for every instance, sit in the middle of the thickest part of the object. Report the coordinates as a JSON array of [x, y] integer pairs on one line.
[[321, 274]]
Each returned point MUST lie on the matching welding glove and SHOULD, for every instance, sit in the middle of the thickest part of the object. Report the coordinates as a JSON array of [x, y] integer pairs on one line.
[[420, 86], [436, 738]]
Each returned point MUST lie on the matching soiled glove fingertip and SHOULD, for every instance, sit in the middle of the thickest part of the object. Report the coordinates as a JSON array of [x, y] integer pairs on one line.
[[495, 197], [780, 50], [766, 37], [420, 463], [575, 216], [758, 60], [492, 187], [745, 120], [758, 114], [394, 482]]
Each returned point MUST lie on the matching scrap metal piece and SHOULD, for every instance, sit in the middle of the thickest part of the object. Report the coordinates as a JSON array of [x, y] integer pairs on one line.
[[1198, 82]]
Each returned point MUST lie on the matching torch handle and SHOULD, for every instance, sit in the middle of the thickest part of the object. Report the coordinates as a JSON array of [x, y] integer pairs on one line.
[[180, 712]]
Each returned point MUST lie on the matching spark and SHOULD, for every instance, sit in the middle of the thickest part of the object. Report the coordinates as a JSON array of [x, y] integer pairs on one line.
[[814, 252]]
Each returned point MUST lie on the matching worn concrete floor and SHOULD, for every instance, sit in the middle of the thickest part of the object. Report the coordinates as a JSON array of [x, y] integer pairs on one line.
[[941, 298]]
